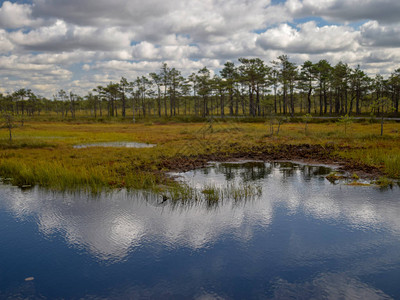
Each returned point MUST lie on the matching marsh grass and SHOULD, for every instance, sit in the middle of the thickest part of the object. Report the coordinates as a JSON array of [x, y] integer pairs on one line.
[[384, 157], [42, 153], [356, 183], [211, 194], [384, 182], [24, 143], [334, 177]]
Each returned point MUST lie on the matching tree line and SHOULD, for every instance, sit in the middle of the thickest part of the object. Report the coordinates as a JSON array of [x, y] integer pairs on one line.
[[251, 88]]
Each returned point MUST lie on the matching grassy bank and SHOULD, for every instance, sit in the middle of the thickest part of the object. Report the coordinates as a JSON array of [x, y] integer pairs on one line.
[[42, 152]]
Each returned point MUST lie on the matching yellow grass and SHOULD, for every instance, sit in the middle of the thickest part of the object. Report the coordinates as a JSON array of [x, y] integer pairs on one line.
[[42, 152]]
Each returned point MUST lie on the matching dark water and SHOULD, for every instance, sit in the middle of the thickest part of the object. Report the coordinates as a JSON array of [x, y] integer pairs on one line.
[[302, 238]]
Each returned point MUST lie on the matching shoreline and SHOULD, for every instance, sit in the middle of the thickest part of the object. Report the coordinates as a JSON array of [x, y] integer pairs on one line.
[[303, 154]]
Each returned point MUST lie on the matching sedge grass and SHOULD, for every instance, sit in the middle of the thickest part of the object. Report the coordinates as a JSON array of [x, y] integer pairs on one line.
[[42, 153]]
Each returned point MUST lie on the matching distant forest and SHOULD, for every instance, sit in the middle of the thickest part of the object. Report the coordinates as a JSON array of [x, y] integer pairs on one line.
[[252, 88]]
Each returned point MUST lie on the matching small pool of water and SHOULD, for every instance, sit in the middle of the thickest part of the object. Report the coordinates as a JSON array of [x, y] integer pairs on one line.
[[301, 237], [116, 145]]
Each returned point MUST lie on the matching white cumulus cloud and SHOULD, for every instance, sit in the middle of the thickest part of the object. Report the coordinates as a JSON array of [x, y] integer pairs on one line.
[[308, 38]]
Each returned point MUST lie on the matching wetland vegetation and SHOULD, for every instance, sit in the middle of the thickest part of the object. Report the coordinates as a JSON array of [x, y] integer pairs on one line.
[[157, 150], [249, 228], [114, 185], [276, 111], [43, 153]]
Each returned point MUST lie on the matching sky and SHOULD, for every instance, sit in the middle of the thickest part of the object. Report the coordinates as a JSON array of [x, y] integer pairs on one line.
[[75, 45]]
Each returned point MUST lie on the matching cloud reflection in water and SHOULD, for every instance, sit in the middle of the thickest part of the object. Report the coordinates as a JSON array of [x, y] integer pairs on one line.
[[109, 226]]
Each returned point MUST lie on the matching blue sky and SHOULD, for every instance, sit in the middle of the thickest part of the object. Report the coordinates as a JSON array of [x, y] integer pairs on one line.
[[76, 45]]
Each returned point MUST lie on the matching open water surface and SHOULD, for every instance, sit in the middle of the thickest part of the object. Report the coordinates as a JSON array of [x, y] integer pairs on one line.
[[116, 145], [302, 237]]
